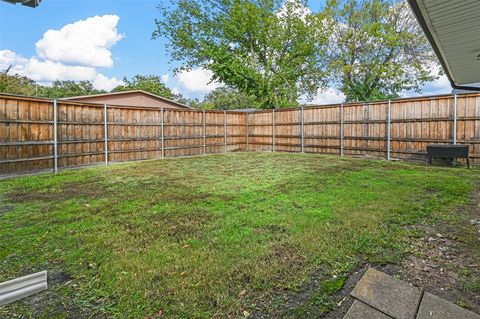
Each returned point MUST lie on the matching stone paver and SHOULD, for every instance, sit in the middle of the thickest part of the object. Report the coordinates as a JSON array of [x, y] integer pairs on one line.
[[391, 296], [359, 310], [433, 307]]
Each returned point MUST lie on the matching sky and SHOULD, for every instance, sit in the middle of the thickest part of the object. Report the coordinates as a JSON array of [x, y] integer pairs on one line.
[[105, 40]]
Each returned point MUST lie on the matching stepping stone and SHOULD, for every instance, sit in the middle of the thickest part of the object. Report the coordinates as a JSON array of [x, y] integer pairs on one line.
[[433, 307], [359, 310], [391, 296]]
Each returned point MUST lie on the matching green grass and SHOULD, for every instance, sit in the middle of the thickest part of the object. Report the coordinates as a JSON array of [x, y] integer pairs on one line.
[[186, 236]]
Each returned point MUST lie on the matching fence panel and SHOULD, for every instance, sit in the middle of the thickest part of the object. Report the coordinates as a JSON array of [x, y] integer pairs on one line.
[[134, 133], [322, 129], [26, 135], [138, 133]]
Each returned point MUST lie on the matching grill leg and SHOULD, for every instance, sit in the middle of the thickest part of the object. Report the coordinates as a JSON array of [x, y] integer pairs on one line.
[[429, 160]]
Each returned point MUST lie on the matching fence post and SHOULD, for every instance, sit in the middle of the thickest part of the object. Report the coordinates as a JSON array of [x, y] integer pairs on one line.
[[273, 130], [455, 119], [163, 133], [341, 130], [204, 134], [302, 130], [225, 128], [105, 132], [247, 122], [389, 131], [55, 137]]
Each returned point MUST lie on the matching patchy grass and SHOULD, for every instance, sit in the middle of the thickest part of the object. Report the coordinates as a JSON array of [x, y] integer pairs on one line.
[[212, 236]]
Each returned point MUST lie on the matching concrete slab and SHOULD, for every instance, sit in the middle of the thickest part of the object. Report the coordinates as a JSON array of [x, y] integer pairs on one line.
[[391, 296], [433, 307], [359, 310]]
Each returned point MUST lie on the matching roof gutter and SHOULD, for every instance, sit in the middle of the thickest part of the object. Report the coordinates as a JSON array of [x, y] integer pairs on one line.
[[423, 23]]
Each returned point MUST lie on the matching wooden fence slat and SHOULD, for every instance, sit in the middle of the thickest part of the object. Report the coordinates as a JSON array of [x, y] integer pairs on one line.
[[39, 134]]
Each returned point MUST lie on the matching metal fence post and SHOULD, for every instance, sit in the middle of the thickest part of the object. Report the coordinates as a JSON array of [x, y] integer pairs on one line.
[[302, 129], [248, 128], [341, 130], [204, 134], [225, 128], [163, 133], [273, 130], [55, 136], [455, 119], [389, 131], [105, 133]]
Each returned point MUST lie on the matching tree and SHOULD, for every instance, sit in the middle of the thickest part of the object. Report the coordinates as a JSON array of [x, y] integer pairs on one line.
[[61, 89], [180, 98], [149, 83], [377, 49], [16, 84], [270, 49], [227, 98], [22, 85]]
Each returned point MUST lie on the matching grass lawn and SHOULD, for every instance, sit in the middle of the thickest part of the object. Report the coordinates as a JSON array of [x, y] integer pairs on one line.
[[213, 236]]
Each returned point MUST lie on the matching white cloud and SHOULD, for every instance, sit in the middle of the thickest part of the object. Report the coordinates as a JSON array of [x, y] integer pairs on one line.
[[70, 54], [328, 96], [51, 71], [197, 80], [293, 8], [165, 78], [85, 42], [440, 86], [101, 82], [46, 71], [9, 58]]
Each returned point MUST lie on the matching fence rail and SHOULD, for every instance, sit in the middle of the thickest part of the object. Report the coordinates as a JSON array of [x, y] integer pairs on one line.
[[43, 134], [396, 129]]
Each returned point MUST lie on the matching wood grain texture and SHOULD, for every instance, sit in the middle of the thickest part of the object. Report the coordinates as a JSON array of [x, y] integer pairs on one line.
[[135, 133]]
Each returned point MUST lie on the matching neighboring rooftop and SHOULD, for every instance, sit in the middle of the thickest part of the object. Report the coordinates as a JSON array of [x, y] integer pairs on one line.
[[130, 98]]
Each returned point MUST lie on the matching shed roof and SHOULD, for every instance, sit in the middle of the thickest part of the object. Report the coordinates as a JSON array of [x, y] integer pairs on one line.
[[160, 98]]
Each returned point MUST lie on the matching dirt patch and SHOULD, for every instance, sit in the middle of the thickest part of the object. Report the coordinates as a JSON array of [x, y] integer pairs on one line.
[[52, 303], [276, 232], [445, 260], [175, 226], [190, 197], [5, 209], [181, 226], [310, 302], [71, 190]]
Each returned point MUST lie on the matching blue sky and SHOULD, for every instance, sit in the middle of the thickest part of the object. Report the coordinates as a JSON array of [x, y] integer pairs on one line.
[[127, 39]]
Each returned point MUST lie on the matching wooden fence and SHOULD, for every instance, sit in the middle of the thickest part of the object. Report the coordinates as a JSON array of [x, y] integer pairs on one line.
[[44, 134], [397, 129]]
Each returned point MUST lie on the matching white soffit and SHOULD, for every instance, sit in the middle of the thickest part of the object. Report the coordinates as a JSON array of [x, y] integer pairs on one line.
[[453, 29]]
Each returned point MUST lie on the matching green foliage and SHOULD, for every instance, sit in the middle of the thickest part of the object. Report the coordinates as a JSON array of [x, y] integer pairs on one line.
[[17, 84], [331, 286], [61, 89], [377, 49], [227, 98], [270, 49], [21, 85], [180, 98], [148, 83]]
